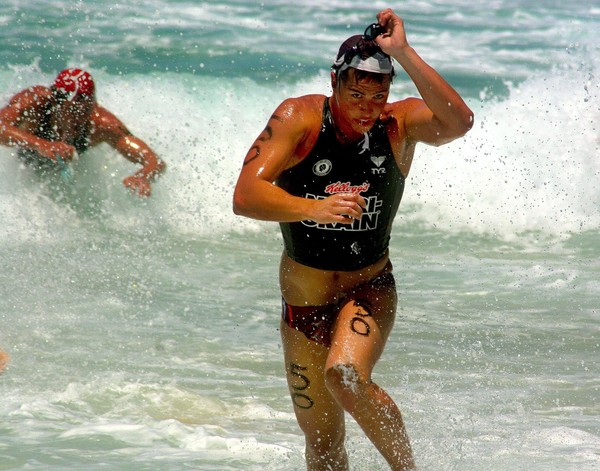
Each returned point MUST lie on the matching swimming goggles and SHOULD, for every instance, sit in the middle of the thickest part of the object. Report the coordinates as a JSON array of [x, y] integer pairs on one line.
[[372, 31]]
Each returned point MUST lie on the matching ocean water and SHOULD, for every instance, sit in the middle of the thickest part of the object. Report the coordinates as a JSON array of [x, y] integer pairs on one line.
[[143, 334]]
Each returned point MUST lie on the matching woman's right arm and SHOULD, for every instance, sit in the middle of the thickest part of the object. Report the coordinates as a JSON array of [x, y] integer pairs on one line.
[[281, 144]]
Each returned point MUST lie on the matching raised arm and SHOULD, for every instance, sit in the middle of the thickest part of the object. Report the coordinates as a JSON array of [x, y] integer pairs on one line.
[[108, 128], [442, 115], [288, 137]]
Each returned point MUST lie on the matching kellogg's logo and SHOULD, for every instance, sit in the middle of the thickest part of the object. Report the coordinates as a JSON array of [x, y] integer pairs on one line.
[[346, 187]]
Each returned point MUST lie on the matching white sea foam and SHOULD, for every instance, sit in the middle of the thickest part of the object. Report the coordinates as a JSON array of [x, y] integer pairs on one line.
[[571, 440], [529, 164]]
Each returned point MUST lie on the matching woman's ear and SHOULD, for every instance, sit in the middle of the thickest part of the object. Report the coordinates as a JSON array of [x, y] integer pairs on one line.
[[333, 79]]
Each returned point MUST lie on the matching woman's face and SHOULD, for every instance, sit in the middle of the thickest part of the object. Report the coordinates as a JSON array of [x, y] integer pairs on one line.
[[359, 103]]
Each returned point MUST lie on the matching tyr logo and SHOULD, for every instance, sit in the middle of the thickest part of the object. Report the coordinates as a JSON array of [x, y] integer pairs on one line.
[[378, 161]]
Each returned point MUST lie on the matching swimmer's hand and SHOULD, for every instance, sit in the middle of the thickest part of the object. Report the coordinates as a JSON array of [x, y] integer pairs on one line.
[[386, 115], [341, 208], [138, 184], [57, 151]]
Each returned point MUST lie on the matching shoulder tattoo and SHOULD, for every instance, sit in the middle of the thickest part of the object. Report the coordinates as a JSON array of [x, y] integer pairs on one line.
[[264, 136]]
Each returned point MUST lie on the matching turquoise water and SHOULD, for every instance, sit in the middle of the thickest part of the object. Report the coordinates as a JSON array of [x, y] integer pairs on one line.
[[143, 334]]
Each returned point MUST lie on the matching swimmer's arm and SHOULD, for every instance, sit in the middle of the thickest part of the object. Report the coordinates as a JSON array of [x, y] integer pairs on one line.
[[25, 107], [108, 128], [284, 141], [4, 359], [441, 115], [137, 151], [255, 195]]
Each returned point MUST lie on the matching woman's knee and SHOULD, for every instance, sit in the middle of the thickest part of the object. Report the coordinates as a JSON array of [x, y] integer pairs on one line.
[[346, 385]]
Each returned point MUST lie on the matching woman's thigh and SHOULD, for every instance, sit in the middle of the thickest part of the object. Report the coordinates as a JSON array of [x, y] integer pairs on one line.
[[363, 325]]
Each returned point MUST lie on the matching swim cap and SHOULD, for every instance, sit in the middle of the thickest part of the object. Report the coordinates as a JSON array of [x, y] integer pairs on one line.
[[75, 82], [363, 55]]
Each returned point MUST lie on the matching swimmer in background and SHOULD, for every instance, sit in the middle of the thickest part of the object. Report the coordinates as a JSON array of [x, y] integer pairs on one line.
[[331, 171], [50, 124], [4, 358]]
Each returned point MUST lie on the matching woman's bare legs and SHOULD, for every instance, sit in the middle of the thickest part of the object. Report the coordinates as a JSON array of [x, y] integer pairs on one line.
[[324, 382]]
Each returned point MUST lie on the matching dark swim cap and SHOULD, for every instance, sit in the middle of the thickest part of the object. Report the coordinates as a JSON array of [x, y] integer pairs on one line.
[[363, 55]]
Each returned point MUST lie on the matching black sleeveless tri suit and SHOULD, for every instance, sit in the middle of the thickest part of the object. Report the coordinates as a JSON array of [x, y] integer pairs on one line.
[[367, 167]]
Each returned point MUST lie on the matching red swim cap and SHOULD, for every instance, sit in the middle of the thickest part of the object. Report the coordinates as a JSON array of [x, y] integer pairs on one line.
[[75, 82]]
